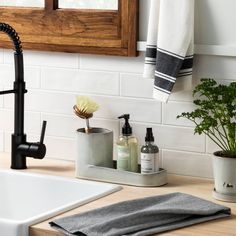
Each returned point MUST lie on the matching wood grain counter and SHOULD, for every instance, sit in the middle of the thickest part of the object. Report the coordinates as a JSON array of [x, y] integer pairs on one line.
[[195, 186]]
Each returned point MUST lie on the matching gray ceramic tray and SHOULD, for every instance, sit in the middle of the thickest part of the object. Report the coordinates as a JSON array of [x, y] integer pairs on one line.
[[123, 177]]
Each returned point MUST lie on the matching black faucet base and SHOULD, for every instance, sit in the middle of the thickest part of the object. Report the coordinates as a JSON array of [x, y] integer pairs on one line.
[[18, 161], [20, 164]]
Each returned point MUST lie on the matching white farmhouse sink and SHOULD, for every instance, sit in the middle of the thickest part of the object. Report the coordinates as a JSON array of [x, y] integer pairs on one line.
[[26, 199]]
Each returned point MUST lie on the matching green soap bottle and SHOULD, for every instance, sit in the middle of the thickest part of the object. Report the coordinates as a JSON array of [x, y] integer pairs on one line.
[[127, 148]]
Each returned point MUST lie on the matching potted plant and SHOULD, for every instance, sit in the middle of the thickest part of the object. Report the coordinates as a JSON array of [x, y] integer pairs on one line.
[[215, 116]]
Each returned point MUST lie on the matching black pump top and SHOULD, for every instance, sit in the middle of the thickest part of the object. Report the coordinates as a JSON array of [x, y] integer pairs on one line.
[[149, 135], [126, 129]]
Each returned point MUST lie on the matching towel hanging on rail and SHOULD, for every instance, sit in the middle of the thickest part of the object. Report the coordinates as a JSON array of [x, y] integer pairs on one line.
[[169, 50]]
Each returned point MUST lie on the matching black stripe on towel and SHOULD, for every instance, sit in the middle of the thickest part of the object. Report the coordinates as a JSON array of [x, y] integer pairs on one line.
[[184, 74], [163, 84], [171, 53], [151, 52], [168, 64], [187, 64]]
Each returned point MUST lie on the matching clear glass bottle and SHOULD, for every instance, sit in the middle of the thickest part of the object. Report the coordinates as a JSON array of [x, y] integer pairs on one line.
[[127, 148], [149, 155]]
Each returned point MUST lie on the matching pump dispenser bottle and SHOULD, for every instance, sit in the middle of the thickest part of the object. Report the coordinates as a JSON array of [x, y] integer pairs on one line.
[[149, 155], [127, 148]]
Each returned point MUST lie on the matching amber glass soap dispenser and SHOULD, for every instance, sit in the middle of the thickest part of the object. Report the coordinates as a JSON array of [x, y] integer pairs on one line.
[[127, 148]]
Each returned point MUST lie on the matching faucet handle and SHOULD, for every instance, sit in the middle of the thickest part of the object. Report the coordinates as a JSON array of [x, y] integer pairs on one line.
[[43, 131], [35, 150]]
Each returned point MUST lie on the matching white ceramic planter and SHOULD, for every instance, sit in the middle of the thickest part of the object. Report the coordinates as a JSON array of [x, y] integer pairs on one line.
[[95, 148], [224, 170]]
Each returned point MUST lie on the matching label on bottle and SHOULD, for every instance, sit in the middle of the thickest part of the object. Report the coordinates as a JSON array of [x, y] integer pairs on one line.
[[123, 158], [134, 157], [149, 163]]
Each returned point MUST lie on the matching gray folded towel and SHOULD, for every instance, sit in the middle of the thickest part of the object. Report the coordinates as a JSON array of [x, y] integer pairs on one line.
[[142, 217]]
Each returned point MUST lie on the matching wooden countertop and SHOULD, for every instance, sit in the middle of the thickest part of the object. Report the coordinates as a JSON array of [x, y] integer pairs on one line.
[[195, 186]]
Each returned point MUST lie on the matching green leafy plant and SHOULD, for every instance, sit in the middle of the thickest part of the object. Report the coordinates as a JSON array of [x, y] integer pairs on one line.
[[215, 114]]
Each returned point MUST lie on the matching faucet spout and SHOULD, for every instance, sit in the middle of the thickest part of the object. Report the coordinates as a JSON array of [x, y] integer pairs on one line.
[[19, 90], [20, 147]]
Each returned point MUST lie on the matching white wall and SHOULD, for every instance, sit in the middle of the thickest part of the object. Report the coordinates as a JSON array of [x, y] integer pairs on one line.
[[215, 22], [116, 83]]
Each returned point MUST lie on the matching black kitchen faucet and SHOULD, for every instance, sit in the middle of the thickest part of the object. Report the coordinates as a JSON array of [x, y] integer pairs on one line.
[[20, 147]]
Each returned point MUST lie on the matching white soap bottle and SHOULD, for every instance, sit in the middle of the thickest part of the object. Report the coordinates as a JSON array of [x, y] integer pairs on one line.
[[127, 148]]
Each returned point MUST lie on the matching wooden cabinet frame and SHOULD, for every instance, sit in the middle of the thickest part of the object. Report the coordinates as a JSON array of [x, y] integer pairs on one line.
[[50, 28]]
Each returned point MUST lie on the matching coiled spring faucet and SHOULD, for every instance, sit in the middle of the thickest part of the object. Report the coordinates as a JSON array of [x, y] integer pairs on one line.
[[20, 147]]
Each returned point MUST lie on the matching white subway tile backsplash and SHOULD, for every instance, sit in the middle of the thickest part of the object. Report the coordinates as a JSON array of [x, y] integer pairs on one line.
[[211, 147], [187, 163], [171, 137], [59, 79], [215, 67], [80, 81], [46, 101], [140, 110], [1, 55], [60, 148], [7, 73], [62, 125], [31, 74], [112, 63], [32, 121], [172, 109], [1, 141], [7, 141], [134, 85], [182, 96], [1, 97], [66, 126], [6, 120], [56, 59], [99, 82]]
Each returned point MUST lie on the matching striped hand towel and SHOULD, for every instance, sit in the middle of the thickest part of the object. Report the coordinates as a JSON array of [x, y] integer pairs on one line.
[[169, 50]]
